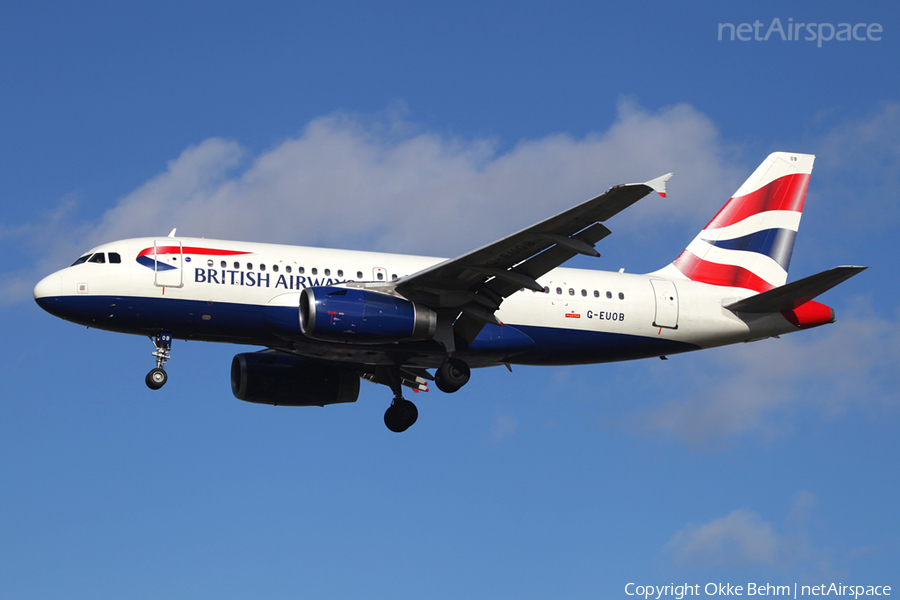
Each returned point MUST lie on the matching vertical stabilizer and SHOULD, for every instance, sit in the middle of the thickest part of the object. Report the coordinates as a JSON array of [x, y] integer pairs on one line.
[[748, 244]]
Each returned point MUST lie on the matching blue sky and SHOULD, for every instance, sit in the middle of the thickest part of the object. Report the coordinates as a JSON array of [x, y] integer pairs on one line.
[[431, 129]]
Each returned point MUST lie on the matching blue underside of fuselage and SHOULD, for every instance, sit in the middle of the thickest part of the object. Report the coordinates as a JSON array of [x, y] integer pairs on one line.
[[278, 327]]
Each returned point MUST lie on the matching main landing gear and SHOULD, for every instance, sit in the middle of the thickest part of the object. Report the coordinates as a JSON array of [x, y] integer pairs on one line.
[[157, 377], [452, 375], [402, 413]]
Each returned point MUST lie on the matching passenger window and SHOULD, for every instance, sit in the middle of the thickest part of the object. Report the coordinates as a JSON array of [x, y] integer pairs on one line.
[[340, 273], [301, 270], [114, 258], [99, 258], [558, 291], [249, 266], [83, 259], [209, 263], [596, 294], [546, 290], [237, 265], [380, 276], [609, 295], [584, 292], [275, 268], [359, 274], [287, 269], [327, 272], [621, 296], [393, 277], [223, 264], [262, 267], [571, 292], [315, 271]]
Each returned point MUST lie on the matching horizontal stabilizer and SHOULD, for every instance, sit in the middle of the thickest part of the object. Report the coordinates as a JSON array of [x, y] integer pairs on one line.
[[797, 293]]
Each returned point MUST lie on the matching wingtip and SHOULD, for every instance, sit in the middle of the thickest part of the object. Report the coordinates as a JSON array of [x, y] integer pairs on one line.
[[856, 269], [658, 185]]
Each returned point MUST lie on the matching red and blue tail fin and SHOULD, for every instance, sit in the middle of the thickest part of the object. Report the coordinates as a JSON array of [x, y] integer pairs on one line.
[[748, 244]]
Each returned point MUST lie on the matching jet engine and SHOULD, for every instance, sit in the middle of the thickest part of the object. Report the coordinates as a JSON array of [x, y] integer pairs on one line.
[[286, 380], [359, 316]]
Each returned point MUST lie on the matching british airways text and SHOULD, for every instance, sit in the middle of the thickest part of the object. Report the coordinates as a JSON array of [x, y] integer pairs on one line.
[[266, 280]]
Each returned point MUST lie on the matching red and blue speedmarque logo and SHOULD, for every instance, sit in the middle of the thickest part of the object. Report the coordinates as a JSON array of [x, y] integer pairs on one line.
[[154, 256]]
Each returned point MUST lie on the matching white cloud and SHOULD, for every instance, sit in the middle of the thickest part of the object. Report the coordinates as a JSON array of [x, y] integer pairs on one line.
[[743, 540], [504, 427], [389, 185], [752, 388], [859, 168], [740, 540], [394, 186], [870, 143], [757, 388]]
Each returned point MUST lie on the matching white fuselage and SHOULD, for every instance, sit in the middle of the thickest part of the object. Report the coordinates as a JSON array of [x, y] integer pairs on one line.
[[221, 291]]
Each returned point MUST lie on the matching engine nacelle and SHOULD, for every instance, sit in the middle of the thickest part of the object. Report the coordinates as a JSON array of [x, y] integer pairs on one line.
[[359, 316], [286, 380]]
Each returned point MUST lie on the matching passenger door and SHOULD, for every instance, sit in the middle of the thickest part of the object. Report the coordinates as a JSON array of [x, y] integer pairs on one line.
[[666, 303], [168, 260]]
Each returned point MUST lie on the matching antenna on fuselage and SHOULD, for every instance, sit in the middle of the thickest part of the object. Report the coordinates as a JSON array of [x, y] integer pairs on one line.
[[172, 233]]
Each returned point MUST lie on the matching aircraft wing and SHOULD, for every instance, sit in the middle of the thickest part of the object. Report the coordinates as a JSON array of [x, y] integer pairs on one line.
[[475, 283]]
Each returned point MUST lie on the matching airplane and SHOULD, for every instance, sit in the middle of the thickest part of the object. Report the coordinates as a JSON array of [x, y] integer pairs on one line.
[[328, 318]]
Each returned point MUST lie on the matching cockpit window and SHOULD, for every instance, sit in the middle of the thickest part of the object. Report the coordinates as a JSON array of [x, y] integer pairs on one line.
[[98, 258]]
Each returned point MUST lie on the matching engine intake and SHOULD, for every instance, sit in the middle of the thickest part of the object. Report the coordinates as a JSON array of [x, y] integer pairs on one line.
[[286, 380], [362, 316]]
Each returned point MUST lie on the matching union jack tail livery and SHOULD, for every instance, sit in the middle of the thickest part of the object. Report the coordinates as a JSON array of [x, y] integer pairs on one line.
[[748, 244]]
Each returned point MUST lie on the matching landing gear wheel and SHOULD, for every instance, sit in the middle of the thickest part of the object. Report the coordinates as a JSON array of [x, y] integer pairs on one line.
[[452, 375], [156, 379], [400, 415]]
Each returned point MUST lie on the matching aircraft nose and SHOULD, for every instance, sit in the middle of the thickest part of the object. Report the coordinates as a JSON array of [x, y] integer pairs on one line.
[[48, 287]]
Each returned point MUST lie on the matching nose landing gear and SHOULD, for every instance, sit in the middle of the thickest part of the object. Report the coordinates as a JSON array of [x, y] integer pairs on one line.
[[157, 377]]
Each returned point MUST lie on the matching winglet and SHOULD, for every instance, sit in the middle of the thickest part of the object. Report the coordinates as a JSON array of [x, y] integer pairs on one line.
[[658, 185]]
